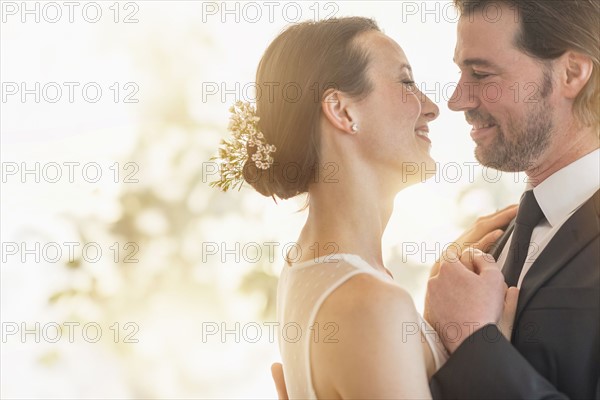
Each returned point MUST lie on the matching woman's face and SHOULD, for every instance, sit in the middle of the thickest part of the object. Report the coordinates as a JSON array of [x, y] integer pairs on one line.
[[393, 119]]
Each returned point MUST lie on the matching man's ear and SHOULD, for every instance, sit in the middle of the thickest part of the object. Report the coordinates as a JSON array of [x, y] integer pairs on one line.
[[575, 73], [336, 108]]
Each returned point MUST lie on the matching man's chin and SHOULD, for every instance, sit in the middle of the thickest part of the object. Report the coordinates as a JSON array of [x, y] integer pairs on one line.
[[503, 165], [489, 160]]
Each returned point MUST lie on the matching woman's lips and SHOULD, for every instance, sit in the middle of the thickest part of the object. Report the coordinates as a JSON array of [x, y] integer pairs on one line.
[[423, 134]]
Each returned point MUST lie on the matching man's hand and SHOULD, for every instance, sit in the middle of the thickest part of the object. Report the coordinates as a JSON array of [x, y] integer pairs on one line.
[[508, 315], [277, 373], [463, 298], [510, 301]]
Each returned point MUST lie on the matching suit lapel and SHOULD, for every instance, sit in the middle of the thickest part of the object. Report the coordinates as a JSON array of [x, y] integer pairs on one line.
[[575, 233]]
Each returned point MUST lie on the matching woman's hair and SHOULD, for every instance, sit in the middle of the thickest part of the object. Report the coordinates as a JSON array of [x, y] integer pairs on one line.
[[298, 67], [551, 27]]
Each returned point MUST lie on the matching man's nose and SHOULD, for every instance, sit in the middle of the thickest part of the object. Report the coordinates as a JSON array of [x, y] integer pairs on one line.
[[464, 97]]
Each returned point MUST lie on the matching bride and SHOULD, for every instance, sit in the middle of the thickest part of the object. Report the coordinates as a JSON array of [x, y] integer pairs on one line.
[[339, 117]]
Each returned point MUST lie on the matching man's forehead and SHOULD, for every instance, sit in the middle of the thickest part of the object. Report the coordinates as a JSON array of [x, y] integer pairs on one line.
[[479, 42]]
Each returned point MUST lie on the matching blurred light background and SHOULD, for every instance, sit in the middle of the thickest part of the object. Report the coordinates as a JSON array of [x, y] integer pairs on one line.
[[151, 301]]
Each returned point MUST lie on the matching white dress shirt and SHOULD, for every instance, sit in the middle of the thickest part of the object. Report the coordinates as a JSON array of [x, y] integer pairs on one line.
[[559, 196]]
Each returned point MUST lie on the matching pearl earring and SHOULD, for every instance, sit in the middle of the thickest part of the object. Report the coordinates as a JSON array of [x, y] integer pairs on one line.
[[354, 128]]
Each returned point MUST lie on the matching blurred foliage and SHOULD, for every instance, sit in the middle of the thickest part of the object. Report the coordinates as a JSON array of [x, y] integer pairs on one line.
[[162, 215]]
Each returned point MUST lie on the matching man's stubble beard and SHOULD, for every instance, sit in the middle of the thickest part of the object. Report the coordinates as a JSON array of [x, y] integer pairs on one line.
[[527, 140]]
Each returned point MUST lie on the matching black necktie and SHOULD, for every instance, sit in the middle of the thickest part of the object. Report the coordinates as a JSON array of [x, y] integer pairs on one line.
[[528, 216]]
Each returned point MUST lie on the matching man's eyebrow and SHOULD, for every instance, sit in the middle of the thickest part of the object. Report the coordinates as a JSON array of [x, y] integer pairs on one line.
[[407, 66], [480, 62]]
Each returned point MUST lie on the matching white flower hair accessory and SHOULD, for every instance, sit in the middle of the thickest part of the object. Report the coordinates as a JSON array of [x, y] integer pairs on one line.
[[233, 152]]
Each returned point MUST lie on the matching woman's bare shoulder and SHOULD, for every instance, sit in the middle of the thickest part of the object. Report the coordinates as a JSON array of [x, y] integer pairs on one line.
[[368, 324], [367, 293]]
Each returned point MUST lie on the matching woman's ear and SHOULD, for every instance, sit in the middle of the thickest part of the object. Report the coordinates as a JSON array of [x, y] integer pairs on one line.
[[335, 106], [576, 72]]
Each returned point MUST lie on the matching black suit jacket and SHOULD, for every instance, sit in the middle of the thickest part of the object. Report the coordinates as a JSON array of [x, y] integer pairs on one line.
[[555, 349]]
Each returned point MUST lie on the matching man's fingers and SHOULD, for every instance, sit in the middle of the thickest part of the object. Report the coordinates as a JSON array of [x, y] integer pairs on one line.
[[510, 310], [452, 264], [510, 303], [512, 297], [482, 261], [277, 374], [466, 258]]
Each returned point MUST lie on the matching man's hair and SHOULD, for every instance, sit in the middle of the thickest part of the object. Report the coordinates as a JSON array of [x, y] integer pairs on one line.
[[549, 28]]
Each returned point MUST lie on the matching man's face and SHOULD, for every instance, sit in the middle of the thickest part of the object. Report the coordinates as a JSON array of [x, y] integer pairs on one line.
[[505, 94]]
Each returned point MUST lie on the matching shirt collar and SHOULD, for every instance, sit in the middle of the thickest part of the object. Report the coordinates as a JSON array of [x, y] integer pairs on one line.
[[567, 189]]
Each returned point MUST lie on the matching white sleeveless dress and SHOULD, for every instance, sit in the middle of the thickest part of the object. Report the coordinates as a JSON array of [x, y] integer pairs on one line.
[[301, 291]]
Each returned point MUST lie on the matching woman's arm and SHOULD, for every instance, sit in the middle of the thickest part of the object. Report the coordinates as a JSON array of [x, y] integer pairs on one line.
[[378, 352]]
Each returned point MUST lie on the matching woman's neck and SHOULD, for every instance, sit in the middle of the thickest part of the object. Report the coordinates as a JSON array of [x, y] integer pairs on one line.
[[347, 217]]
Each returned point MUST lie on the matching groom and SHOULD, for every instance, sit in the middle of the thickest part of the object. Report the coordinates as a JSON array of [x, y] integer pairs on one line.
[[542, 59]]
